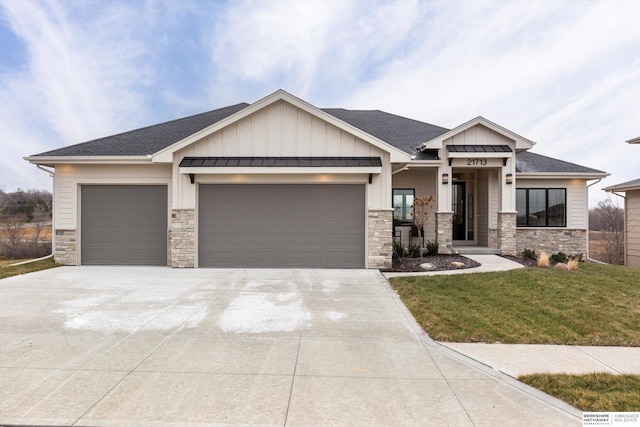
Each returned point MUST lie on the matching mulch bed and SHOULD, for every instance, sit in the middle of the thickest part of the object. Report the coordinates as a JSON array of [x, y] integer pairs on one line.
[[438, 262]]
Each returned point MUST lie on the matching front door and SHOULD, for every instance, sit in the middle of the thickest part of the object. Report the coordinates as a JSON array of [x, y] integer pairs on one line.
[[459, 210]]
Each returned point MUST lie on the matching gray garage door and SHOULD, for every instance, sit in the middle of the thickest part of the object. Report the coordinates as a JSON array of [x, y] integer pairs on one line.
[[123, 225], [281, 226]]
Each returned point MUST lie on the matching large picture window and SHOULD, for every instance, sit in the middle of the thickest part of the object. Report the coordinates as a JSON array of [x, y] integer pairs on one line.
[[541, 207], [403, 204]]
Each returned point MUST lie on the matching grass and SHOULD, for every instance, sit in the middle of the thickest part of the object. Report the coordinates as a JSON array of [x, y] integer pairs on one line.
[[598, 392], [594, 305], [25, 268]]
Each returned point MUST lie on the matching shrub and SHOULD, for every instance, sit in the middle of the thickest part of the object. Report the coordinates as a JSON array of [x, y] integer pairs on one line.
[[529, 254], [398, 250], [432, 247], [560, 257], [543, 260], [414, 250]]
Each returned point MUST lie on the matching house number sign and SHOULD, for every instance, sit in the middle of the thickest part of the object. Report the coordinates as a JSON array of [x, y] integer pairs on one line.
[[477, 162]]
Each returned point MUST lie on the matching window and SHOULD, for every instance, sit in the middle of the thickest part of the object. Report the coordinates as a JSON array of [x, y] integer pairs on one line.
[[403, 204], [541, 207]]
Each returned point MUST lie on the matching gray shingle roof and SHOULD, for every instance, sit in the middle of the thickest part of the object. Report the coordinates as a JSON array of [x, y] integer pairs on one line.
[[147, 140], [527, 162], [401, 132], [633, 184], [404, 133], [190, 162], [461, 148]]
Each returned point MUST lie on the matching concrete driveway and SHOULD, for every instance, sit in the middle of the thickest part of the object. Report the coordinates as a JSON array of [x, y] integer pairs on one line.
[[160, 346]]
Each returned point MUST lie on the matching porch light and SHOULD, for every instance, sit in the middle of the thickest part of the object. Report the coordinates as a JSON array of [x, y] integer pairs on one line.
[[445, 178], [509, 178]]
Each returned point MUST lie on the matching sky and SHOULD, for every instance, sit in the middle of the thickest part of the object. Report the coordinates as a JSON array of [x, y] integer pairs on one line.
[[564, 74]]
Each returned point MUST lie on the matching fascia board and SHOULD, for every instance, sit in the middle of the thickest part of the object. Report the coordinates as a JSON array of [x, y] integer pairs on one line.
[[270, 170], [622, 188], [52, 160], [166, 154], [561, 175], [521, 142]]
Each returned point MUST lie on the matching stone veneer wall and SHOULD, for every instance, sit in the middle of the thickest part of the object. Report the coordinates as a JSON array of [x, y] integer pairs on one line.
[[182, 241], [65, 247], [552, 240], [444, 232], [380, 238], [507, 233]]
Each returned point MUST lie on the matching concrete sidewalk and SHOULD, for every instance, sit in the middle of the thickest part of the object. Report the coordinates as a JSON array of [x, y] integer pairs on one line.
[[523, 359]]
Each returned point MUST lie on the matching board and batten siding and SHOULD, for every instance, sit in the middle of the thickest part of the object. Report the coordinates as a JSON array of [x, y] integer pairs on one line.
[[479, 135], [68, 178], [632, 227], [577, 197], [283, 130]]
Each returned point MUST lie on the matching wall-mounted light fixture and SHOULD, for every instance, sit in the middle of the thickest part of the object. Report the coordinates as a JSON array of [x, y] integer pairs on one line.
[[509, 178], [445, 178]]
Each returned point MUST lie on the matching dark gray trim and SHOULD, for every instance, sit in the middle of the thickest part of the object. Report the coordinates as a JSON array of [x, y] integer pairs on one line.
[[479, 149], [324, 162]]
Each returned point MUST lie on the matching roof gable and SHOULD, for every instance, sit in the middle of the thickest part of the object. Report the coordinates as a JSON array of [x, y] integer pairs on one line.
[[521, 143], [396, 154]]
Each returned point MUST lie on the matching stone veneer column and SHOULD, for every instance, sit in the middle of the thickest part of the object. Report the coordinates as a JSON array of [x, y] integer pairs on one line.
[[380, 238], [507, 232], [444, 232], [65, 247], [182, 238]]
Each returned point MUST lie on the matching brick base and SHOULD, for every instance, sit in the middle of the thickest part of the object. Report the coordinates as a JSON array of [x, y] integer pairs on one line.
[[444, 232], [571, 242], [182, 238], [507, 232], [380, 238], [65, 250]]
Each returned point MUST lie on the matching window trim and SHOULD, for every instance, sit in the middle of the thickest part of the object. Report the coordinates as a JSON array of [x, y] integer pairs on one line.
[[404, 201], [546, 201]]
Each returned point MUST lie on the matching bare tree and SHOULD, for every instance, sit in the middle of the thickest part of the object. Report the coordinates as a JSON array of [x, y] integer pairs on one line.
[[40, 217], [611, 218], [421, 210], [12, 235]]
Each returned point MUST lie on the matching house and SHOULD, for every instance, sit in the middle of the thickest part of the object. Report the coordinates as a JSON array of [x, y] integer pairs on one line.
[[631, 190], [282, 183]]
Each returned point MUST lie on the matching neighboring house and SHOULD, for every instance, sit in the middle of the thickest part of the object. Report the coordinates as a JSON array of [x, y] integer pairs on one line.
[[631, 216], [282, 183]]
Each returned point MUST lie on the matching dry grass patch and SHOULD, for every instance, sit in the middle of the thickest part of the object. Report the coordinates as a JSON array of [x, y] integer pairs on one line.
[[594, 305], [598, 392], [26, 268]]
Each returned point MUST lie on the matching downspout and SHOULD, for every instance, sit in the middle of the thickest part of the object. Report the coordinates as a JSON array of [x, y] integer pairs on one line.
[[589, 225]]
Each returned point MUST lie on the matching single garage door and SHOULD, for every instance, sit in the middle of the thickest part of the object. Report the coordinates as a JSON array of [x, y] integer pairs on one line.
[[123, 225], [260, 225]]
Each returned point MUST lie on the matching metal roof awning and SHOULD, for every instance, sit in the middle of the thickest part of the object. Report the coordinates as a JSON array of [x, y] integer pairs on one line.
[[501, 151], [279, 165]]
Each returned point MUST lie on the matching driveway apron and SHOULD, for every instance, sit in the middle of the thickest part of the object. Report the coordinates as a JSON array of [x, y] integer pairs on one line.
[[107, 346]]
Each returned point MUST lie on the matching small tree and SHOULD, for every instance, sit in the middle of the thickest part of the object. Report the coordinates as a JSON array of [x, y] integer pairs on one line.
[[13, 233], [613, 224], [422, 206]]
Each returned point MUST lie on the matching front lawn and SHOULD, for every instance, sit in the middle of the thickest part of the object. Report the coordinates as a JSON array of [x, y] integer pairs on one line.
[[594, 305], [599, 392], [27, 268]]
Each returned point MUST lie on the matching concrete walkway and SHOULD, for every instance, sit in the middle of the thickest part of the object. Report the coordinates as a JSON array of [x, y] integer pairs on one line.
[[522, 359], [107, 346], [488, 263]]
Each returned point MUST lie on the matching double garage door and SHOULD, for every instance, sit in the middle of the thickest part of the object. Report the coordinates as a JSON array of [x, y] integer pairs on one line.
[[259, 225], [264, 225]]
